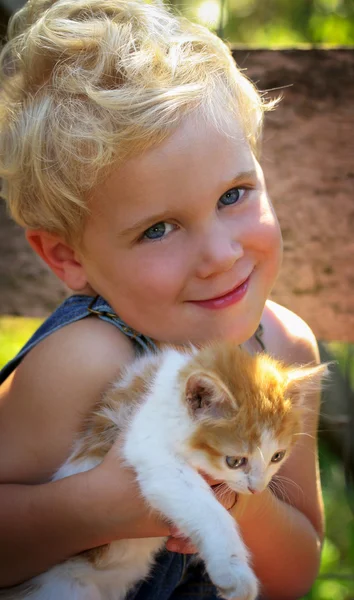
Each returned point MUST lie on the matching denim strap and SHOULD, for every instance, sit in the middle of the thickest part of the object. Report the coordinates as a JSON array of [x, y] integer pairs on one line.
[[74, 309]]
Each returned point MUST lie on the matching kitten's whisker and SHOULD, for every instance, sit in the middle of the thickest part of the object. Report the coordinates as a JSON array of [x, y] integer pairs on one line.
[[305, 434], [282, 487], [223, 490], [299, 444], [286, 480], [280, 490], [261, 453], [335, 427]]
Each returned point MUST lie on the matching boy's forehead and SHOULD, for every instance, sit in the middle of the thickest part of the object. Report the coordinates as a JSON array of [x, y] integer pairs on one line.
[[194, 139], [195, 154]]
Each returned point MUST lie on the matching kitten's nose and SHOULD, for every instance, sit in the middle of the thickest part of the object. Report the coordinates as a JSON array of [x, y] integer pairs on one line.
[[253, 491]]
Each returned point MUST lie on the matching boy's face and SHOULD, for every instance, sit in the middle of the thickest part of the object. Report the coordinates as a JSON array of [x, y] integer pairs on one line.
[[186, 222]]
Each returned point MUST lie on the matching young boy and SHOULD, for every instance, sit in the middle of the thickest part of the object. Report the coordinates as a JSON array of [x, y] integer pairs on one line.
[[128, 143]]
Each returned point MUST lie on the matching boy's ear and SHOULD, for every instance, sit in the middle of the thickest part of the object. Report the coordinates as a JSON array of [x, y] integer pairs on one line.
[[59, 256]]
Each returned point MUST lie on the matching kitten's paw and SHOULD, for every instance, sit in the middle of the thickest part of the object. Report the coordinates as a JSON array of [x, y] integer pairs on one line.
[[237, 582]]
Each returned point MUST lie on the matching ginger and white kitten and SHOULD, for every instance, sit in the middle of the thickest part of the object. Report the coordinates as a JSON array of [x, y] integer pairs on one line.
[[218, 410]]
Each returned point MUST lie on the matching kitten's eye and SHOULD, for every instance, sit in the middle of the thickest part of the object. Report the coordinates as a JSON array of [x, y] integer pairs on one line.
[[278, 456], [232, 196], [235, 462], [157, 231]]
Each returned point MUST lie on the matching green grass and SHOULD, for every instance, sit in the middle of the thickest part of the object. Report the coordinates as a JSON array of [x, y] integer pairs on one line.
[[14, 333], [336, 580]]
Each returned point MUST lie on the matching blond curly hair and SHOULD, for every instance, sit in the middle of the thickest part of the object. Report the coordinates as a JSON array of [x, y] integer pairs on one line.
[[86, 84]]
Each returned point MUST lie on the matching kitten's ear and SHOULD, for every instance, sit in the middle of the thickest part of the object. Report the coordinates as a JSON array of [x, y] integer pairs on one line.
[[305, 380], [206, 396]]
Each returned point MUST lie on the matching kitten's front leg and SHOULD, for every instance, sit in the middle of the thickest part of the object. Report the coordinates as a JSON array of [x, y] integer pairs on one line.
[[181, 494]]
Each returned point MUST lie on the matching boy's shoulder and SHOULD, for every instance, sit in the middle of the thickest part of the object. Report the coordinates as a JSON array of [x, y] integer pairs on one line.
[[85, 346], [45, 401], [89, 349], [287, 336]]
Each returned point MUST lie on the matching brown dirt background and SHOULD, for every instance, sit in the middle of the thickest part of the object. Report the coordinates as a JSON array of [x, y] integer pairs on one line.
[[308, 159]]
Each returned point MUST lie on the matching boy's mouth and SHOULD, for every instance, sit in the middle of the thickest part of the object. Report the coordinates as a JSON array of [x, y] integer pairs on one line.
[[233, 296]]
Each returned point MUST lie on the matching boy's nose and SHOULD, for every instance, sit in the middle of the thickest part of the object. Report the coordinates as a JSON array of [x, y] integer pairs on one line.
[[218, 255]]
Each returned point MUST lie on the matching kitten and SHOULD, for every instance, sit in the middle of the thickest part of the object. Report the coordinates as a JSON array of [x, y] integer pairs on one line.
[[218, 410]]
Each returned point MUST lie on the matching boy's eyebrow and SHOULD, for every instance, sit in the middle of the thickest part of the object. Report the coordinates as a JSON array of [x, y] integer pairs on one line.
[[150, 220]]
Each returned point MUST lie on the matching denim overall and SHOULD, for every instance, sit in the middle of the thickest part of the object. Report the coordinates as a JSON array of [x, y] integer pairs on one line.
[[174, 576]]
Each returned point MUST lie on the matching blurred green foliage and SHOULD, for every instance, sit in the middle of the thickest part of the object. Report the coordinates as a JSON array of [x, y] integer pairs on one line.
[[275, 23], [336, 579], [14, 333], [344, 354]]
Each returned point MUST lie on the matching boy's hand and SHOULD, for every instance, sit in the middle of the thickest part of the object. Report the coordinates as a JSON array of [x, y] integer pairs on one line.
[[126, 515], [130, 517]]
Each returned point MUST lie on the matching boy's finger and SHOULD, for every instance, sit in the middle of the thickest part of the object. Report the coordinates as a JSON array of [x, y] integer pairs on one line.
[[176, 533], [180, 545]]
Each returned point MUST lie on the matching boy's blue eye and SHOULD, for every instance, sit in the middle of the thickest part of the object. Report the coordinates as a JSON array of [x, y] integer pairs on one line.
[[232, 196], [157, 231]]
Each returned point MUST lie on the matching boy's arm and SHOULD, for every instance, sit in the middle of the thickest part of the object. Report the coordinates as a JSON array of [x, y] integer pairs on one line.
[[284, 545], [41, 409], [284, 531], [42, 525]]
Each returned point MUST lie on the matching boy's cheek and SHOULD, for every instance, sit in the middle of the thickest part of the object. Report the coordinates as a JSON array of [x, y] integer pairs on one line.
[[273, 241]]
